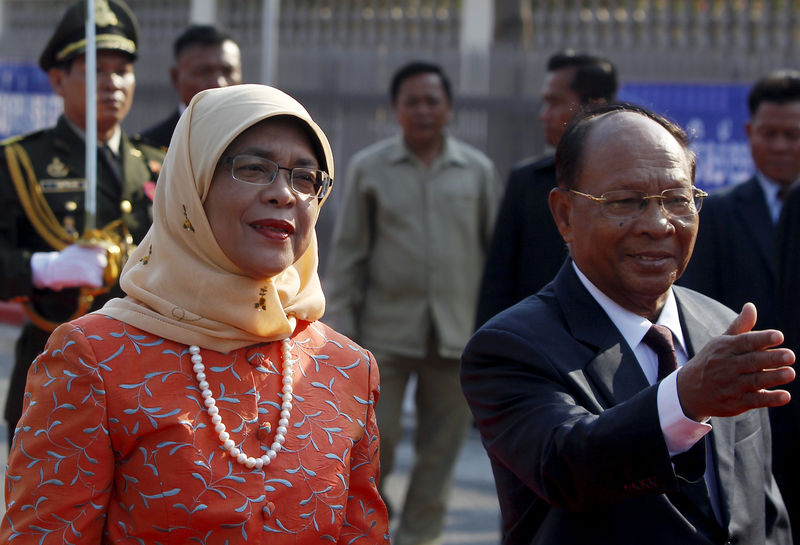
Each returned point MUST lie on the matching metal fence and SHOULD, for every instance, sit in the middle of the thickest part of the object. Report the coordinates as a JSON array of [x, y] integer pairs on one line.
[[337, 56]]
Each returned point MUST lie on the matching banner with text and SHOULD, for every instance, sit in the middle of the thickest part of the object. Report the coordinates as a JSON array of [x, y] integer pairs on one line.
[[28, 101], [714, 115]]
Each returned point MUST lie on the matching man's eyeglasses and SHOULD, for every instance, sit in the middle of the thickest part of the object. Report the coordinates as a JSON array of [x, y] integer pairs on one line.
[[626, 204], [305, 182]]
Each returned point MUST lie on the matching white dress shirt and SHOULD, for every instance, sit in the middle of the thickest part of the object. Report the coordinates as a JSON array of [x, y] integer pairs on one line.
[[770, 188], [680, 432]]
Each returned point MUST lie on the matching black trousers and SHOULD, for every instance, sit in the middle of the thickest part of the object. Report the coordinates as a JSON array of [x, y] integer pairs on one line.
[[29, 344]]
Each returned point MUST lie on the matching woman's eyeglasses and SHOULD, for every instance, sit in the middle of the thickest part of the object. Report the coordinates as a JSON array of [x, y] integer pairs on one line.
[[252, 169]]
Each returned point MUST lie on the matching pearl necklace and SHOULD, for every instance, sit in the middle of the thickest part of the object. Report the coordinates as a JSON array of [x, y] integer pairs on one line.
[[216, 418]]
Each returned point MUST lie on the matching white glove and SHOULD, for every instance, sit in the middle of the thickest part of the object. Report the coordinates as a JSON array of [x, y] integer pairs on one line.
[[73, 267]]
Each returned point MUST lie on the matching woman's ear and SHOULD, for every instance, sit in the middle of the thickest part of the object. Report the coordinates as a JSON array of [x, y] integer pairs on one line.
[[561, 208]]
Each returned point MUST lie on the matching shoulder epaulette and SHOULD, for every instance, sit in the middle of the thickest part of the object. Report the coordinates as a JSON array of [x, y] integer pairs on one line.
[[139, 140], [11, 140], [20, 137]]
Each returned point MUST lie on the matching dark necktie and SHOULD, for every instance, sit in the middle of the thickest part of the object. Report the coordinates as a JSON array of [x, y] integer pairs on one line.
[[113, 163], [659, 338]]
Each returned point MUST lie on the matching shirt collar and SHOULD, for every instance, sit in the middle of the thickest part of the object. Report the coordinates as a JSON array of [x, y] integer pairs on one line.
[[450, 154], [113, 143], [770, 189], [632, 326]]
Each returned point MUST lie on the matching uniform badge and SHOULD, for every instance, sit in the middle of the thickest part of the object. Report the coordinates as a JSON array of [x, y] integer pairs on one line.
[[64, 185], [57, 169]]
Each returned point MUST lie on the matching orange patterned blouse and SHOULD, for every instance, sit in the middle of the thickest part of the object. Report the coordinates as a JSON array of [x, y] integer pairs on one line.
[[116, 446]]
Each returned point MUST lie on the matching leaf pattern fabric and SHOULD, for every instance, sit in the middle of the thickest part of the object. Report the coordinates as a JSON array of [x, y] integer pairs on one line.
[[115, 444]]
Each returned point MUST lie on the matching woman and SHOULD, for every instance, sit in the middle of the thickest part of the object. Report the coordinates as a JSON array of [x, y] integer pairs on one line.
[[209, 406]]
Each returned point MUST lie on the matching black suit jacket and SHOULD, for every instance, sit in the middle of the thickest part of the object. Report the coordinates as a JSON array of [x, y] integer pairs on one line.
[[572, 431], [161, 133], [786, 419], [788, 268], [526, 250], [733, 259]]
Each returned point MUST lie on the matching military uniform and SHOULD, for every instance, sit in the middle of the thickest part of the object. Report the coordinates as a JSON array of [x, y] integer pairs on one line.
[[57, 158], [42, 194]]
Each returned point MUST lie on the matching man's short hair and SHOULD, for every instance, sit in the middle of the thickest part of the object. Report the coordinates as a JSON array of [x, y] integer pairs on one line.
[[595, 77], [780, 86], [571, 148], [414, 69], [200, 35]]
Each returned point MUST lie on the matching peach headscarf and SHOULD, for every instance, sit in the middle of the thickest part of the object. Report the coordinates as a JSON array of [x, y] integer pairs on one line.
[[179, 282]]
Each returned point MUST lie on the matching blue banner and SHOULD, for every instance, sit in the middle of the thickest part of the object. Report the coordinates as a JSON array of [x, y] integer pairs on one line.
[[714, 115], [28, 101]]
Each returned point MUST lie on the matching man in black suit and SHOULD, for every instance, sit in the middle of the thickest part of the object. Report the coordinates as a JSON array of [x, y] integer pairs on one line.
[[205, 58], [602, 427], [734, 258], [526, 250]]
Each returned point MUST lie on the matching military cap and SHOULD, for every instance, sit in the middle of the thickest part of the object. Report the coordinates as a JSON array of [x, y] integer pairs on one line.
[[115, 24]]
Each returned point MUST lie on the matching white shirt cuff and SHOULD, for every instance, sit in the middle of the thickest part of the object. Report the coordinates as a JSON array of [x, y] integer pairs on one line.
[[680, 433]]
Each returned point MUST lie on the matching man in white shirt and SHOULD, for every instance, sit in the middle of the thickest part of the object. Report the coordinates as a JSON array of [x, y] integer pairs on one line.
[[592, 437]]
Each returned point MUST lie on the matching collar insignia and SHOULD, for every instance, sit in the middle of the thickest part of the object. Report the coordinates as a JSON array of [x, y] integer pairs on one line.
[[103, 15], [57, 169]]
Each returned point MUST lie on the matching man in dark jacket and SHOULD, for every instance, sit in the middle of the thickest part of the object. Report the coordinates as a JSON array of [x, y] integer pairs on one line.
[[205, 58], [734, 257], [526, 250], [616, 407]]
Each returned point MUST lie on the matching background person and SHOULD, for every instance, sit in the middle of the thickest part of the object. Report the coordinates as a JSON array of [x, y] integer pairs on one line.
[[598, 432], [43, 183], [526, 249], [210, 404], [786, 419], [735, 256], [734, 261], [205, 58], [407, 251]]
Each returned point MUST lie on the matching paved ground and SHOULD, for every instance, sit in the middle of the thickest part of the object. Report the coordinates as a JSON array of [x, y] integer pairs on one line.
[[8, 335], [473, 517]]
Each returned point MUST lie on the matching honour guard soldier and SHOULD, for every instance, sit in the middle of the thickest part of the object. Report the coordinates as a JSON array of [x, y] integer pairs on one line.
[[47, 260]]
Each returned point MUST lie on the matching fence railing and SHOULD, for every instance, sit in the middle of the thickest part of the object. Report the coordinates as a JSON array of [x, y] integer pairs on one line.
[[337, 55]]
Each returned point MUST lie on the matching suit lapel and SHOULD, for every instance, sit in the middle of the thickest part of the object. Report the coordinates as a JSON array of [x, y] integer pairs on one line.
[[751, 206], [614, 369], [721, 439]]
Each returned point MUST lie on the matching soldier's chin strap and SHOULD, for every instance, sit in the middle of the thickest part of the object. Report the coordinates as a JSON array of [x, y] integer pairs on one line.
[[114, 237]]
